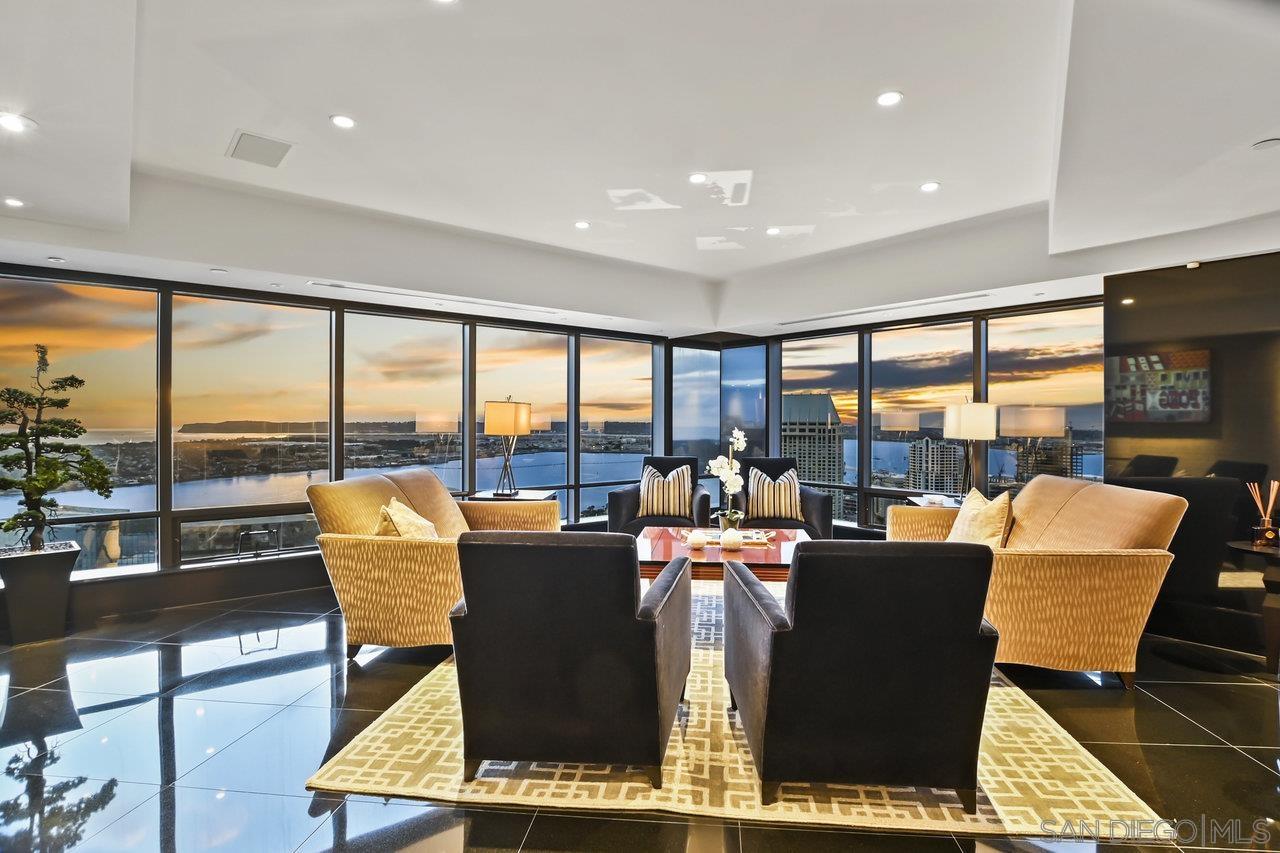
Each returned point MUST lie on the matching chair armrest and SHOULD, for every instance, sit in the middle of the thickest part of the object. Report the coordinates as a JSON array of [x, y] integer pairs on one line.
[[860, 534], [667, 607], [664, 586], [393, 591], [701, 506], [919, 523], [1073, 609], [511, 515], [815, 506], [624, 505], [743, 585]]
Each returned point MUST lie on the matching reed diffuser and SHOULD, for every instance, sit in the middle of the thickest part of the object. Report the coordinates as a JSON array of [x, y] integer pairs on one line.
[[1265, 533]]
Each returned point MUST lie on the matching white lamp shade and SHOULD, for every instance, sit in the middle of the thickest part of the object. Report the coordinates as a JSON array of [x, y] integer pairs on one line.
[[900, 421], [970, 421], [1033, 421], [503, 417]]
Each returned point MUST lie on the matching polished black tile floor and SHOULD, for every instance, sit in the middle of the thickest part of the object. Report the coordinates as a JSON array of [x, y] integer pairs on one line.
[[195, 728]]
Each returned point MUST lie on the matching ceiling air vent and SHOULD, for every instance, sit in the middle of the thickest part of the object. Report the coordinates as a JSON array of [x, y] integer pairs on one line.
[[262, 150]]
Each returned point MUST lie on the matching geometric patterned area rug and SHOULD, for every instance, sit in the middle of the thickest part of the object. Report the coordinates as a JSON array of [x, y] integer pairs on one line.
[[1030, 770]]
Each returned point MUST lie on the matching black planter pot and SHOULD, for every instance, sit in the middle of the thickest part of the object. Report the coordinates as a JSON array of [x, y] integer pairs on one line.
[[36, 587]]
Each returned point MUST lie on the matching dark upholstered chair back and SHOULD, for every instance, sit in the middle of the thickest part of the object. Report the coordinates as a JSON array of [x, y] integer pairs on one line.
[[1245, 472], [664, 465], [1200, 543], [841, 592], [772, 467], [1146, 465], [515, 583]]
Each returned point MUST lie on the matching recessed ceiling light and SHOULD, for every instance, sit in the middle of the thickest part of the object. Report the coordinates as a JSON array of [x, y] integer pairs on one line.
[[54, 259], [1264, 144], [773, 231], [889, 99], [218, 270], [14, 202], [1128, 300], [698, 178], [446, 2], [15, 123], [1193, 265], [1040, 293], [276, 284], [930, 187], [582, 225], [344, 122]]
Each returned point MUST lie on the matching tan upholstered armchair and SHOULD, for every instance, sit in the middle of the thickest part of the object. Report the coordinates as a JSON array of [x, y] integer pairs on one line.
[[398, 592], [1079, 574]]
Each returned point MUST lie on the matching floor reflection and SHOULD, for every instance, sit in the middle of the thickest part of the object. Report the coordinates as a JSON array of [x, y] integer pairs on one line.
[[202, 734]]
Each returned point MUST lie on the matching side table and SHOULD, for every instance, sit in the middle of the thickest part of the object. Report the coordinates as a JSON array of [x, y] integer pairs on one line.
[[1271, 603]]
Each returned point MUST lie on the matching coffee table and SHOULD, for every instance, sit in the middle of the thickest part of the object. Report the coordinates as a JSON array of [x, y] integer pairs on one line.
[[657, 546]]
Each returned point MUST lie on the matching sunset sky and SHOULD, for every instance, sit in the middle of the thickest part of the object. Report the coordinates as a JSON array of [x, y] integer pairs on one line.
[[106, 336], [242, 360]]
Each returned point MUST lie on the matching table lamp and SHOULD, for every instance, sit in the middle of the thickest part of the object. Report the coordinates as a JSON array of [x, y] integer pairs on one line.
[[508, 420], [971, 423]]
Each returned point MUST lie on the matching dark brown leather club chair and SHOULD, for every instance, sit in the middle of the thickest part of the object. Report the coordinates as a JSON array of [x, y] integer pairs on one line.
[[815, 504], [1148, 465], [624, 503], [559, 657], [876, 671]]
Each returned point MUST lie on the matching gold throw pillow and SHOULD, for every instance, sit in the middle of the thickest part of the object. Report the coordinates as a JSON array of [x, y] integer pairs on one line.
[[396, 519], [981, 521]]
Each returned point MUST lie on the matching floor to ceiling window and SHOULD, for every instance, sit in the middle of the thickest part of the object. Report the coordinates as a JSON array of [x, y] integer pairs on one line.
[[526, 367], [1045, 372], [107, 337], [915, 373], [615, 416], [820, 416], [402, 396], [742, 397], [250, 419], [695, 408]]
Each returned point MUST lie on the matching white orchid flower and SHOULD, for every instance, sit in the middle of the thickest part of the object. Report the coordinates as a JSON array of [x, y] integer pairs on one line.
[[732, 484]]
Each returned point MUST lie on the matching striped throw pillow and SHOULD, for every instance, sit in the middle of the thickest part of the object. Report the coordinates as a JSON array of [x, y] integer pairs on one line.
[[778, 498], [669, 495]]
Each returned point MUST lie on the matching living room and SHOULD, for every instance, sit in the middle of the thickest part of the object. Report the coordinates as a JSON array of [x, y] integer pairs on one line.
[[469, 424]]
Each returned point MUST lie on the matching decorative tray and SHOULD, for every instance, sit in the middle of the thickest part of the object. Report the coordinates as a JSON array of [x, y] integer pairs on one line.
[[750, 538]]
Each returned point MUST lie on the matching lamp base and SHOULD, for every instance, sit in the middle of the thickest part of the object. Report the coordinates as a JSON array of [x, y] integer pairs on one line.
[[506, 486]]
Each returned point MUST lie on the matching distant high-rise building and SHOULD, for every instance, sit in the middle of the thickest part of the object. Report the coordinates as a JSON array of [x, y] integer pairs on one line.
[[1061, 457], [935, 466], [811, 433]]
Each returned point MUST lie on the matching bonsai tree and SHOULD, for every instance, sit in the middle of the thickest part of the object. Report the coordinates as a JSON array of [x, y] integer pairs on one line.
[[38, 457]]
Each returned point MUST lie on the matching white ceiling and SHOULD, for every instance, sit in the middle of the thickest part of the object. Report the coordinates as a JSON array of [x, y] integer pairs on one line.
[[516, 117], [488, 127], [69, 65], [1164, 100]]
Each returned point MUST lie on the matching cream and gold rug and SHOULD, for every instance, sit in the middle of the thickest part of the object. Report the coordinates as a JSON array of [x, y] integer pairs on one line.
[[1030, 771]]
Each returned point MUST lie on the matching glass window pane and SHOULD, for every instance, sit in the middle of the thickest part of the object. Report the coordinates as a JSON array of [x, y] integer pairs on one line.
[[915, 373], [403, 396], [110, 548], [615, 408], [593, 502], [695, 404], [1045, 372], [528, 367], [820, 407], [878, 508], [107, 337], [248, 537], [250, 402], [742, 389]]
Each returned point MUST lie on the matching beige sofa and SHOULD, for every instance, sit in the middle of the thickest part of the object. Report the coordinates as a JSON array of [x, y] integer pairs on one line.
[[398, 592], [1076, 580]]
